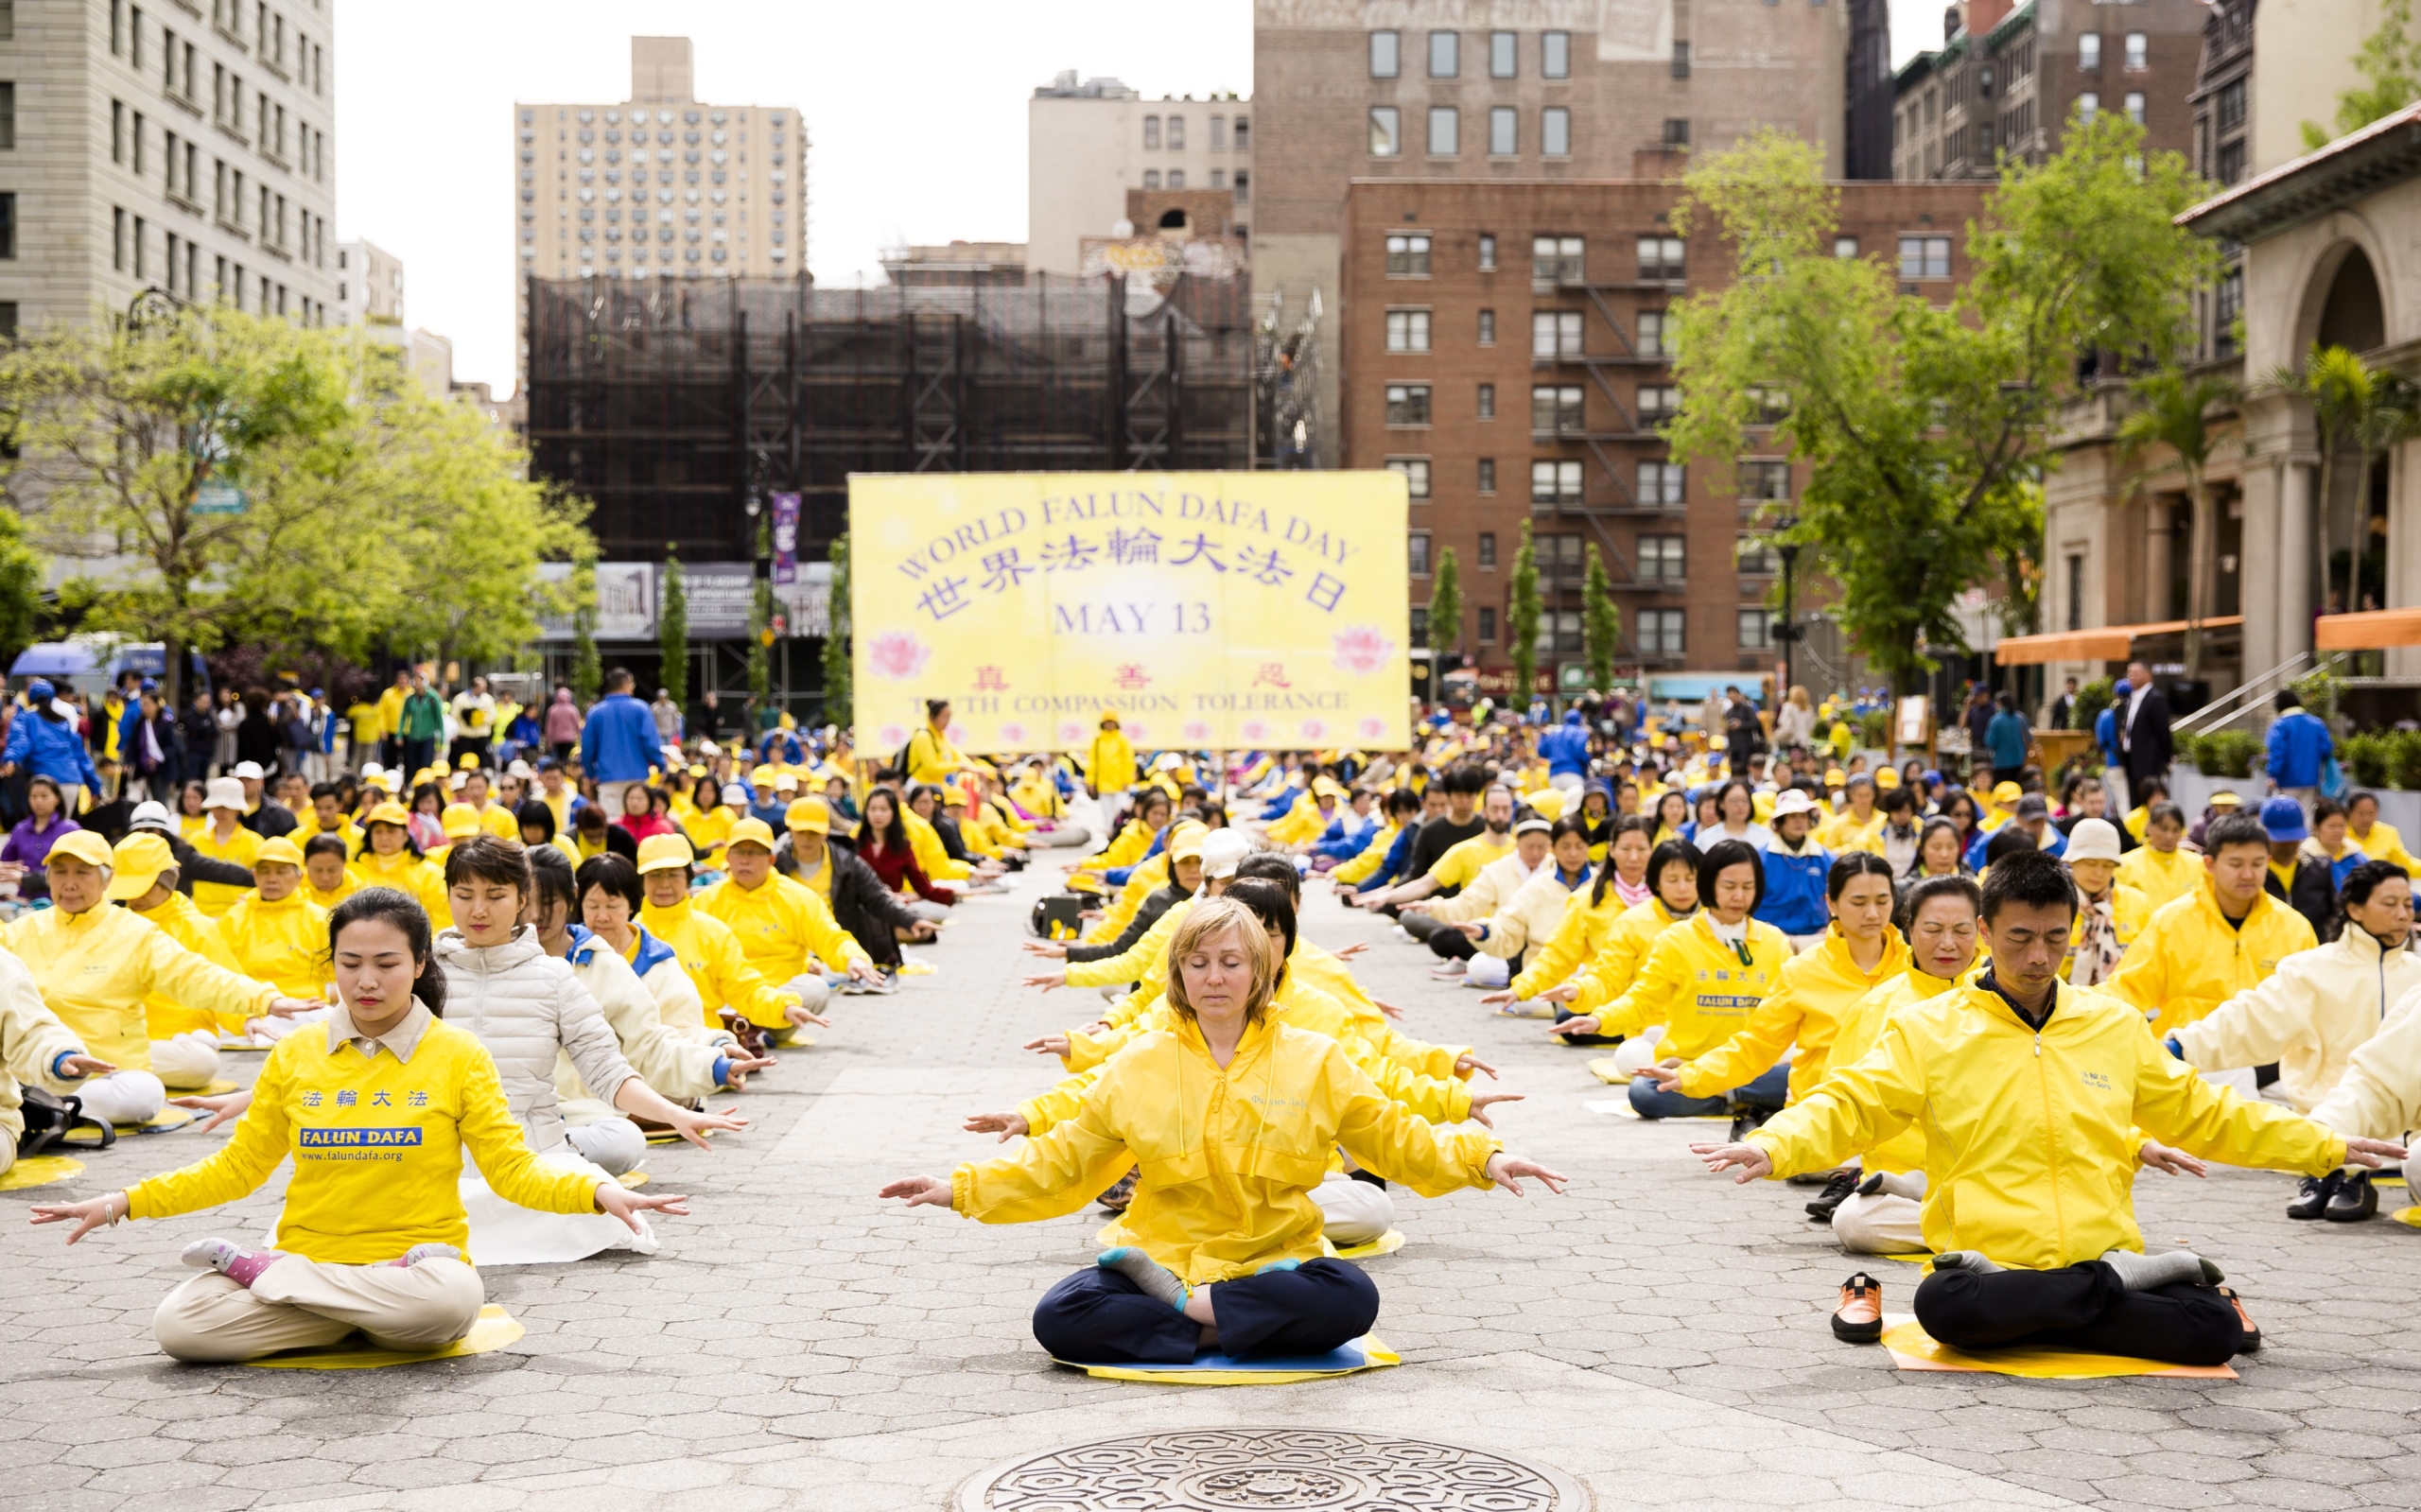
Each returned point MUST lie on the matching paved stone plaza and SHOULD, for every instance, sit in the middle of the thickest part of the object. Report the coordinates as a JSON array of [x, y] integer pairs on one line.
[[1656, 1335]]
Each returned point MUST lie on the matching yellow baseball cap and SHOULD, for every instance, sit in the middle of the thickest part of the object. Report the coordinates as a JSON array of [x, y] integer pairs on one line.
[[278, 851], [2006, 793], [761, 776], [746, 832], [811, 814], [1887, 776], [460, 821], [1185, 843], [1547, 803], [470, 761], [390, 812], [86, 846], [659, 853], [140, 858]]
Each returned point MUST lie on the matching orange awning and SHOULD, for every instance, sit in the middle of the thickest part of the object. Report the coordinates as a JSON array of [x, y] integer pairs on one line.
[[2109, 643], [2368, 630]]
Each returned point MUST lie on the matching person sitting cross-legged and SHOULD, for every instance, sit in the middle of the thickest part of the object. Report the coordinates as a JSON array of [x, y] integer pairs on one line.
[[2035, 1238]]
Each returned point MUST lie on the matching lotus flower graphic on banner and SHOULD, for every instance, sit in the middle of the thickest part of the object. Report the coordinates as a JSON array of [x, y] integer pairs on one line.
[[1362, 649], [897, 655]]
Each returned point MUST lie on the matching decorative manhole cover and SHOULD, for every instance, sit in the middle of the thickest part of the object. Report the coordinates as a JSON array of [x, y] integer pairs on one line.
[[1269, 1470]]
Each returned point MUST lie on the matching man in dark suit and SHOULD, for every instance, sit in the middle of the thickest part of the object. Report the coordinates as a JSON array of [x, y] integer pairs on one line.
[[2143, 727]]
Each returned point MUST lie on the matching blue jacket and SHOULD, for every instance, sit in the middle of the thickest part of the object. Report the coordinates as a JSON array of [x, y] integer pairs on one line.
[[2105, 735], [42, 749], [2299, 747], [618, 744], [1399, 854], [1117, 875], [653, 953], [1566, 748], [1345, 837], [1795, 890], [2006, 737]]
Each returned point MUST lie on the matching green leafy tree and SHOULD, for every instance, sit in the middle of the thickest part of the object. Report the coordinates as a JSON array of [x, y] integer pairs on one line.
[[2390, 64], [1601, 622], [2351, 401], [673, 629], [1926, 427], [1521, 619], [587, 669], [2174, 410], [21, 578], [837, 670], [1446, 606]]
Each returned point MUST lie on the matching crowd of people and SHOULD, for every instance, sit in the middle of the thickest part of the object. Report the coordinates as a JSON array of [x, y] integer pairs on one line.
[[482, 985]]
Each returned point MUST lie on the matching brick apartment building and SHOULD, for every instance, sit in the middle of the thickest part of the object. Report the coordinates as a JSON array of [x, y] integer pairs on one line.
[[1503, 346]]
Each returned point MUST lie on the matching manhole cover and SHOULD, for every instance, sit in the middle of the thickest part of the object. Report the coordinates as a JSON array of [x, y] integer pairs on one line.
[[1269, 1470]]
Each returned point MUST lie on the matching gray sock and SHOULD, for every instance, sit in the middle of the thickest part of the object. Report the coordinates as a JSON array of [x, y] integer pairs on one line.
[[1964, 1260], [1154, 1278], [2141, 1273], [1909, 1184]]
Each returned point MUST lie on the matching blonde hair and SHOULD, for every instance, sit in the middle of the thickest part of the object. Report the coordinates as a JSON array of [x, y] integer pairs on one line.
[[1205, 920]]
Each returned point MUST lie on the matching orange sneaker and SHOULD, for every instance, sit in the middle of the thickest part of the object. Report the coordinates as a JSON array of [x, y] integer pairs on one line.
[[2251, 1339], [1859, 1318]]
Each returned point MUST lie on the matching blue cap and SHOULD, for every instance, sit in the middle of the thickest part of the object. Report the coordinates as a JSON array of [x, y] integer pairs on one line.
[[314, 692], [2122, 688], [2284, 819], [40, 690], [1571, 716], [150, 685]]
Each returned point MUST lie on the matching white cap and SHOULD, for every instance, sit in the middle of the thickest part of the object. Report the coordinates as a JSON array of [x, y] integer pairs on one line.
[[708, 748], [1794, 801], [1222, 851], [248, 772], [785, 779], [735, 794], [1167, 761], [2093, 840], [372, 769], [226, 793], [519, 769], [148, 814]]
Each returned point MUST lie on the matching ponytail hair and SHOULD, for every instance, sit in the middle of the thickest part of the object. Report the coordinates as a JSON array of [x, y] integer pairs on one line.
[[385, 905]]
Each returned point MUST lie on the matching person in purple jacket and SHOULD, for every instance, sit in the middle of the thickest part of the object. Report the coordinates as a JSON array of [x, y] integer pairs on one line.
[[28, 844]]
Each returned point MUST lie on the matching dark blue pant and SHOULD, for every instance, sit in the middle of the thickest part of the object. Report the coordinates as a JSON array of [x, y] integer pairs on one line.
[[2078, 1307], [1100, 1317], [1561, 1013], [1768, 1091]]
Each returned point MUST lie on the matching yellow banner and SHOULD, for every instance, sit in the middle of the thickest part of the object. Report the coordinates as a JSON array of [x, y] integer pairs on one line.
[[1210, 610]]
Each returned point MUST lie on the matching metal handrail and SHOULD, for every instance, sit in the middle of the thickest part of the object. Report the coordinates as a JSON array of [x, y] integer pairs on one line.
[[2191, 724]]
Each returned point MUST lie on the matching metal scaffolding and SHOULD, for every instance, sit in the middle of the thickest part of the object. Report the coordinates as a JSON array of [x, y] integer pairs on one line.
[[662, 401]]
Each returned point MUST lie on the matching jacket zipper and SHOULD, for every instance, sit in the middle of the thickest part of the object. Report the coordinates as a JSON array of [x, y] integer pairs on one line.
[[2051, 1131]]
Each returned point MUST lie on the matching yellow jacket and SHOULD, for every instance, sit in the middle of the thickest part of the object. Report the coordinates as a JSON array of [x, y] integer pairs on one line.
[[377, 1148], [2033, 1138], [390, 712], [2189, 959], [307, 828], [1844, 832], [344, 889], [780, 924], [2160, 876], [1608, 974], [1698, 986], [199, 932], [1146, 958], [932, 857], [712, 956], [1364, 862], [1226, 1157], [1860, 1031], [97, 968], [1535, 912], [2309, 1017], [1574, 941], [709, 832], [1127, 848], [1818, 988], [412, 876], [1463, 860], [1109, 766], [285, 944], [1302, 824], [930, 758], [2384, 845], [1485, 891], [1147, 877], [243, 847], [31, 1041]]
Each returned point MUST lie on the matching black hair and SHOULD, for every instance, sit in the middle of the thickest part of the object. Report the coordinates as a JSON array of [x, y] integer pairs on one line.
[[933, 707], [2355, 797], [488, 858], [2364, 879], [2007, 841], [1464, 777], [1746, 791], [615, 876], [1269, 866], [1671, 852], [2238, 829], [1957, 884], [1568, 824], [619, 678], [1891, 800], [533, 813], [385, 905], [325, 845], [2144, 792], [893, 836], [326, 789], [1271, 903], [1974, 810], [1615, 830], [2029, 879], [2164, 811], [1854, 864], [1403, 801], [550, 873], [1723, 855], [580, 817], [2289, 698], [58, 794], [2326, 808], [1917, 862]]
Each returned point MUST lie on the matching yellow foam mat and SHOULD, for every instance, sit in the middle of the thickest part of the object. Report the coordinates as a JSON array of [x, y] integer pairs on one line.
[[168, 1117], [631, 1180], [1624, 1110], [1386, 1244], [1603, 1069], [2410, 1217], [1922, 1256], [918, 968], [667, 1136], [1365, 1353], [2387, 1181], [39, 1171], [1912, 1348], [494, 1331], [217, 1088]]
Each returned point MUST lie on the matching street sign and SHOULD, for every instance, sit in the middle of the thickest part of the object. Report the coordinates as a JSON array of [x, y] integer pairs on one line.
[[217, 497]]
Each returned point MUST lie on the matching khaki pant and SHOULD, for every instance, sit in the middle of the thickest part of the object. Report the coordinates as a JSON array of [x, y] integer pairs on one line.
[[185, 1062], [1353, 1212], [299, 1303], [1880, 1225]]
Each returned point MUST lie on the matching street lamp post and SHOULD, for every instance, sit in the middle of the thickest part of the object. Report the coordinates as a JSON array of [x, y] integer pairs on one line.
[[1787, 630]]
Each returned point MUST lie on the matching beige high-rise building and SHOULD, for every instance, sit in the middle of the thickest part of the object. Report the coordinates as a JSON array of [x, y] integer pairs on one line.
[[186, 147], [370, 286], [661, 184], [1088, 143]]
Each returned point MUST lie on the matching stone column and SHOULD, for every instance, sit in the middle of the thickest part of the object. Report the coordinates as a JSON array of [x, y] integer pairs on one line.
[[2257, 571], [2404, 550], [2298, 577]]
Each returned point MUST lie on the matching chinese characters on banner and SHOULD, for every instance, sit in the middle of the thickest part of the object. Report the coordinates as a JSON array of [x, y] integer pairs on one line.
[[1208, 610], [785, 538]]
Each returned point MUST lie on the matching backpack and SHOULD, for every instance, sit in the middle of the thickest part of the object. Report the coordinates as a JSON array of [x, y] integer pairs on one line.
[[51, 1119], [1058, 917]]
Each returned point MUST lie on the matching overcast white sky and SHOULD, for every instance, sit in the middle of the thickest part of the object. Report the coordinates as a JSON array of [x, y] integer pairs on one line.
[[916, 115]]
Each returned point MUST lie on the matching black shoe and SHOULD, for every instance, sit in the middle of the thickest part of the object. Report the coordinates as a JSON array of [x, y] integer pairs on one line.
[[1836, 1191], [1122, 1191], [1859, 1318], [2312, 1196], [1744, 1118], [1871, 1186], [2355, 1200], [2249, 1339]]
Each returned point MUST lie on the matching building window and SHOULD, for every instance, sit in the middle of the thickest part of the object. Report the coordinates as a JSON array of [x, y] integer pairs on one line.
[[1244, 133], [1924, 257], [1488, 327], [1487, 485], [1151, 133], [1416, 475], [1421, 624], [1218, 134], [1408, 254], [1560, 629], [1680, 59], [1416, 554], [1845, 246], [1764, 481], [1408, 330], [8, 231], [1754, 557], [1407, 404], [1445, 131], [1554, 132], [1555, 55], [2135, 109], [1661, 258], [2089, 52], [1177, 134], [1504, 53], [1664, 558], [2232, 106], [2138, 52], [1218, 178], [1387, 54], [2231, 161], [1657, 402], [1677, 132], [1557, 259], [1486, 253], [1555, 407], [1555, 482], [2076, 593], [2088, 106], [1756, 630], [1177, 178], [1387, 132], [1773, 403], [1445, 54], [1503, 130], [1661, 485], [1488, 624], [1555, 334], [1488, 401], [1150, 178], [117, 241], [1653, 324], [2227, 303], [1659, 632], [1243, 191]]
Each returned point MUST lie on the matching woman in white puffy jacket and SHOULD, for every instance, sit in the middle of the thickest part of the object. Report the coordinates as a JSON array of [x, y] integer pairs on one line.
[[1536, 907], [610, 900]]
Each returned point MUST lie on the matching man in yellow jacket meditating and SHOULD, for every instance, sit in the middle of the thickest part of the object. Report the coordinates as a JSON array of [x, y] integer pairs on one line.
[[2034, 1093]]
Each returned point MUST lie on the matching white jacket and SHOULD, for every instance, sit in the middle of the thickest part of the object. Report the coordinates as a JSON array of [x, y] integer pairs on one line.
[[2379, 1095], [680, 1067], [527, 1007], [2310, 1015], [1532, 913], [31, 1041], [1490, 890]]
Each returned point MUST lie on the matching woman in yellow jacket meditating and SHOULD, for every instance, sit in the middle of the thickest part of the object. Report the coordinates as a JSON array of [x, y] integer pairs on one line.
[[1230, 1119], [391, 858], [376, 1109]]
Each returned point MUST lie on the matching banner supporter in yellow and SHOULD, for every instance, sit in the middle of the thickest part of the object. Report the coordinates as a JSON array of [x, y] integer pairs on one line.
[[1208, 610]]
